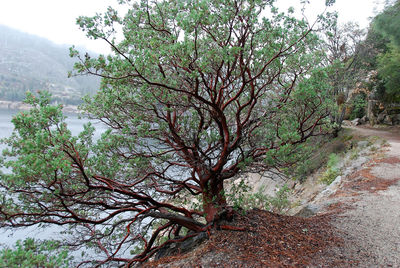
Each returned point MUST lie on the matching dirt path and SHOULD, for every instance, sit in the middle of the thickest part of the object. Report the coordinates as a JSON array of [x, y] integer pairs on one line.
[[367, 207]]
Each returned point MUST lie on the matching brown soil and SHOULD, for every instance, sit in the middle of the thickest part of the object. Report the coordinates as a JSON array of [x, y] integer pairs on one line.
[[268, 240]]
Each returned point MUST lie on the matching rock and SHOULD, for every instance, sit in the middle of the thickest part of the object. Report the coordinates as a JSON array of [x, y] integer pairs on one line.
[[356, 122], [181, 247], [388, 120], [381, 117], [331, 189], [393, 119], [308, 211], [346, 123], [396, 119], [363, 120], [335, 184], [267, 182], [362, 144]]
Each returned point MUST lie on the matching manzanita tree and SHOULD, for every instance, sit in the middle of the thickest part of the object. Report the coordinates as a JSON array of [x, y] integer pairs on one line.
[[194, 93]]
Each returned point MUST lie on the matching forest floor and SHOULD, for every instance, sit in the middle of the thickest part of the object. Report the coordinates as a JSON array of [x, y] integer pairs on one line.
[[357, 223]]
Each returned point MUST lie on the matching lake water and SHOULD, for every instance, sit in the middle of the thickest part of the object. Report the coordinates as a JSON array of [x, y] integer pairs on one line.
[[75, 125]]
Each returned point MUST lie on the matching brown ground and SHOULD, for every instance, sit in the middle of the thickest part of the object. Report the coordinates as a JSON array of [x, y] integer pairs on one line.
[[359, 228], [269, 240]]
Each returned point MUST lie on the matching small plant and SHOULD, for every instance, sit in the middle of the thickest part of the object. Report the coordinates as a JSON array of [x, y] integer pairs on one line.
[[347, 138], [241, 199], [374, 149], [238, 195], [372, 140], [385, 143], [333, 160], [332, 171], [32, 253], [359, 104], [354, 154], [330, 175], [280, 202]]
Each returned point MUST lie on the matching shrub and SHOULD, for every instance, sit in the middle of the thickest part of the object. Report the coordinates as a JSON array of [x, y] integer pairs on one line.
[[330, 175], [358, 106], [241, 199], [332, 171], [32, 253]]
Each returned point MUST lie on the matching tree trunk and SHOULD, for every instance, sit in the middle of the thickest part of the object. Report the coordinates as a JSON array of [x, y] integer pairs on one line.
[[214, 201]]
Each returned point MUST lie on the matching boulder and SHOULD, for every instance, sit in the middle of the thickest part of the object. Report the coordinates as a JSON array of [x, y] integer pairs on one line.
[[308, 211], [346, 123], [388, 120], [364, 119], [396, 119], [381, 117], [181, 247], [362, 144], [356, 122]]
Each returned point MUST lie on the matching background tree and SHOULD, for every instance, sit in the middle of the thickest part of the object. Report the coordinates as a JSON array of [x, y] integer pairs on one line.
[[379, 54], [387, 24], [195, 93], [343, 62]]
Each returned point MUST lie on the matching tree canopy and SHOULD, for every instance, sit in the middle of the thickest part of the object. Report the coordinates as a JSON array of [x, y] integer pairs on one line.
[[380, 53], [387, 24], [195, 93]]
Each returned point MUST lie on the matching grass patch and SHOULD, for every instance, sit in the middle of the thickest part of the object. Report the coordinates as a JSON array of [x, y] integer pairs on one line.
[[332, 170]]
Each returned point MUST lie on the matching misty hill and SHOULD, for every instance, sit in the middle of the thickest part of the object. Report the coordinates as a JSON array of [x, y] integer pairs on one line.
[[28, 62]]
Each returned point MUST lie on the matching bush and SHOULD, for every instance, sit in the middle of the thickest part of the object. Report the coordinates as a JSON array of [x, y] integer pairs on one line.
[[358, 106], [31, 253], [241, 199], [330, 175], [332, 171]]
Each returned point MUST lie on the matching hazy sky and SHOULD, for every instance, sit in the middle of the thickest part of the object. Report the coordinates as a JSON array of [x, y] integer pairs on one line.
[[55, 19]]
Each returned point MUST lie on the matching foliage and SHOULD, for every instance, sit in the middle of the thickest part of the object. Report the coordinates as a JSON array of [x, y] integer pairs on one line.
[[381, 54], [389, 72], [31, 253], [359, 105], [332, 170], [243, 199], [195, 93], [343, 60], [238, 195], [354, 153], [280, 202], [388, 21], [373, 45]]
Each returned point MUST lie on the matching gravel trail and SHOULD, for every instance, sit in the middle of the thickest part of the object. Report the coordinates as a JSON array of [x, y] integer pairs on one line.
[[369, 221]]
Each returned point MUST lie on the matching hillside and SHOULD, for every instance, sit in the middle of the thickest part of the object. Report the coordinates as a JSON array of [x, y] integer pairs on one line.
[[28, 62]]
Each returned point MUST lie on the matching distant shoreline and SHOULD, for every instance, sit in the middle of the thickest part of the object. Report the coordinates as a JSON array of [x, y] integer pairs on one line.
[[21, 106]]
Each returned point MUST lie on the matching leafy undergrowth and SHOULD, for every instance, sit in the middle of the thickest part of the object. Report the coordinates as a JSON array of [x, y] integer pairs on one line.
[[268, 240]]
